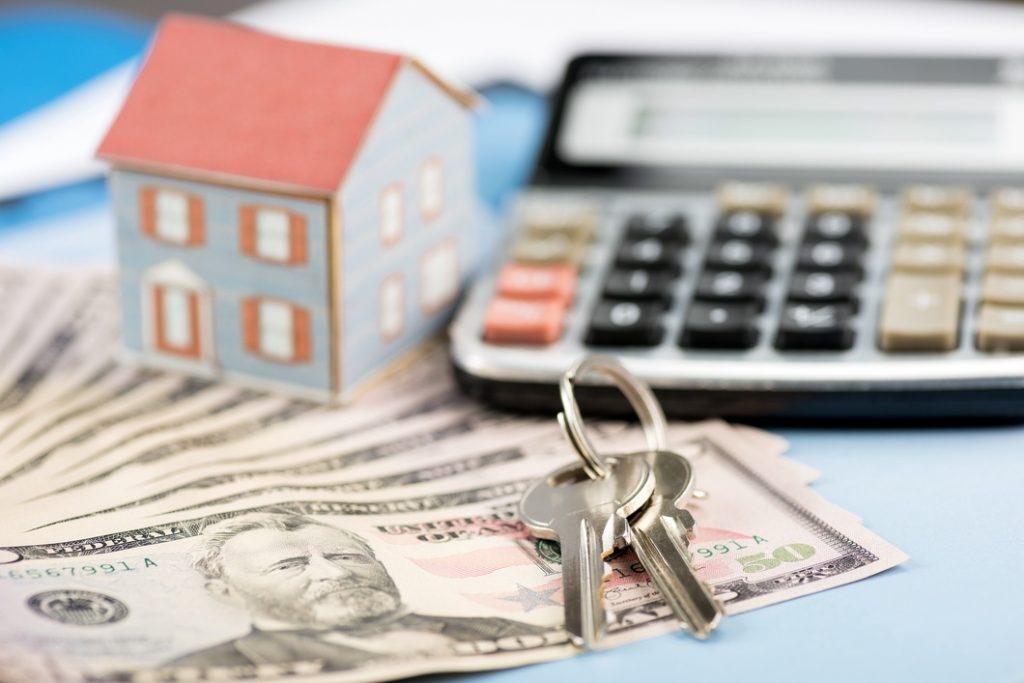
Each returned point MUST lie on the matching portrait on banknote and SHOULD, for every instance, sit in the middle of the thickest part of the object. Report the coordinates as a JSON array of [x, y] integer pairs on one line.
[[317, 592]]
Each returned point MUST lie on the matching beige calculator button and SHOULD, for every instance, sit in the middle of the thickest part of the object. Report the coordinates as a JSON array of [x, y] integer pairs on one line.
[[859, 199], [1003, 289], [1008, 201], [928, 257], [932, 226], [1000, 328], [579, 221], [557, 248], [920, 312], [1005, 258], [767, 197], [945, 199], [1008, 228]]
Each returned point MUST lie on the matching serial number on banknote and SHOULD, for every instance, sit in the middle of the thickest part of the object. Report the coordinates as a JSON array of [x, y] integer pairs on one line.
[[79, 570], [731, 546]]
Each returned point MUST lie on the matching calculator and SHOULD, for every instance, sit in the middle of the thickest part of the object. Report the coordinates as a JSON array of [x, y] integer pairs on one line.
[[809, 237]]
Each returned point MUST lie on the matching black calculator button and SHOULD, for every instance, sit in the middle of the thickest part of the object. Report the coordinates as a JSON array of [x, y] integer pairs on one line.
[[719, 326], [661, 225], [731, 286], [739, 255], [836, 226], [625, 323], [817, 327], [819, 286], [830, 255], [639, 284], [747, 225], [649, 253]]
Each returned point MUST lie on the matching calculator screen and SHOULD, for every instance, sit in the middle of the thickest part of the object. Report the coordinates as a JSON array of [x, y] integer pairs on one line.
[[796, 113]]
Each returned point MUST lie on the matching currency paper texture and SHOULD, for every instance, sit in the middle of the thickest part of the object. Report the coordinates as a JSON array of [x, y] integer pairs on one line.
[[159, 528]]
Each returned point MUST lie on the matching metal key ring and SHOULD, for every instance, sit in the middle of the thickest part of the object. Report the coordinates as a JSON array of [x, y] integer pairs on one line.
[[640, 396]]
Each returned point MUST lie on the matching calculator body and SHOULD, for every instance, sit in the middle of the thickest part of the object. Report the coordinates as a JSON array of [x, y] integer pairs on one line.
[[808, 238]]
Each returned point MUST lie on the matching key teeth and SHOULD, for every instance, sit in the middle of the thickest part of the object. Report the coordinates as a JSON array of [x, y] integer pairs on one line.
[[688, 522], [616, 536]]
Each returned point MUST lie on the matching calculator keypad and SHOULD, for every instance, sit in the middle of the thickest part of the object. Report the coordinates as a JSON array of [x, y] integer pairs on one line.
[[818, 286], [515, 321], [731, 286], [742, 255], [625, 323], [921, 312], [815, 327], [922, 298], [1000, 317], [713, 325], [753, 226], [649, 253], [839, 226], [537, 287], [637, 284], [757, 275], [665, 226]]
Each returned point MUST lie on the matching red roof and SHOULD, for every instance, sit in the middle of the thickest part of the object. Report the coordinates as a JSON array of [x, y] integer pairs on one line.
[[226, 100]]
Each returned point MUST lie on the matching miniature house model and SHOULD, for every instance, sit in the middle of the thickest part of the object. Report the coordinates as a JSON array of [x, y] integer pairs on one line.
[[289, 215]]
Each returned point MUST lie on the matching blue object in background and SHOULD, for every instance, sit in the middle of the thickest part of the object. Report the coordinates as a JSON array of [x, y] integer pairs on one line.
[[508, 133], [47, 49]]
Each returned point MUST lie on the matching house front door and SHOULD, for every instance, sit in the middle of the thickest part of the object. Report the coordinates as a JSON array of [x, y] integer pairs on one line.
[[177, 314], [176, 318]]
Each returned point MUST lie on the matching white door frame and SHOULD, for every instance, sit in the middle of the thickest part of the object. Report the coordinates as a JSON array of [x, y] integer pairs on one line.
[[174, 273]]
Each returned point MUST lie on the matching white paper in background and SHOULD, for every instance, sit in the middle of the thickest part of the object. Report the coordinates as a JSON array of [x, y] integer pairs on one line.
[[55, 144], [528, 41]]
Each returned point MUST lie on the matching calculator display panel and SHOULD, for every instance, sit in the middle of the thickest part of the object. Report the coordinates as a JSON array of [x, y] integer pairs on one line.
[[813, 115]]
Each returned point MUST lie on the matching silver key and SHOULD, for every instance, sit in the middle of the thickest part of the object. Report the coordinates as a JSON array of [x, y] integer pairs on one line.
[[588, 518], [658, 534]]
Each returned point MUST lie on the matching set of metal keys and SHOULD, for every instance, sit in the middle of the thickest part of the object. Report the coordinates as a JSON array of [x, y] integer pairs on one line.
[[603, 504]]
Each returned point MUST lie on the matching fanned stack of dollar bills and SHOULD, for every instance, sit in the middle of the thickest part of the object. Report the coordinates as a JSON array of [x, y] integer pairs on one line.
[[157, 527]]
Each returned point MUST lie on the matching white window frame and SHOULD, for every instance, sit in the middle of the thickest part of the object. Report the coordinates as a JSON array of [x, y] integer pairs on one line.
[[272, 228], [392, 218], [439, 276], [276, 329], [430, 186], [391, 307], [171, 216]]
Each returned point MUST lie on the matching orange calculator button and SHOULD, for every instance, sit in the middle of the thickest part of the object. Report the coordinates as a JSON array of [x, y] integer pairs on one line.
[[536, 282], [514, 321]]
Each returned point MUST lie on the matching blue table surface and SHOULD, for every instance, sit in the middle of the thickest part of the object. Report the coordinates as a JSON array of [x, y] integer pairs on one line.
[[951, 498]]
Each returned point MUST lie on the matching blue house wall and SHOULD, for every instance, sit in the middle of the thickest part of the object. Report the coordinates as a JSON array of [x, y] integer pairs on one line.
[[418, 121], [229, 275]]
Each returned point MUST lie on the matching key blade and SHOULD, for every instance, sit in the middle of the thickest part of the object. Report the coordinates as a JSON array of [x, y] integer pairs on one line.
[[667, 561], [582, 579]]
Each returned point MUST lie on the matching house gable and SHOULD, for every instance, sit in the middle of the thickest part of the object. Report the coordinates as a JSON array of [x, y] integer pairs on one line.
[[421, 133]]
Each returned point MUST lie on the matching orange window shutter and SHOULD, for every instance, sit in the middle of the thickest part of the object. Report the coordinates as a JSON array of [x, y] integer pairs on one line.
[[147, 211], [247, 230], [158, 315], [196, 226], [251, 324], [297, 225], [300, 328], [193, 321]]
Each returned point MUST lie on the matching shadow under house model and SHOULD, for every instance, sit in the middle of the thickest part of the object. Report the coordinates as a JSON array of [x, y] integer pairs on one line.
[[290, 215]]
